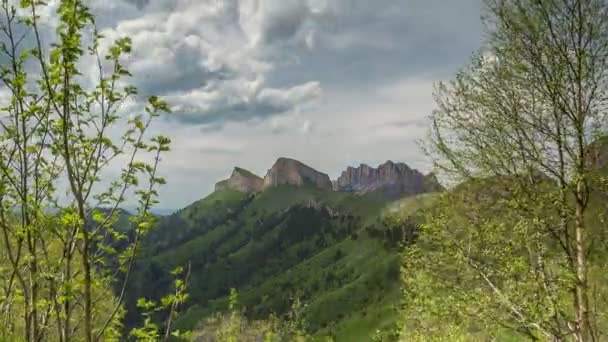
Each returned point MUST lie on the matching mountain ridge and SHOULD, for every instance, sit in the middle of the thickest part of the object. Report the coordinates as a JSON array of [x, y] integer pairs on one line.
[[393, 180], [273, 237], [271, 245], [287, 171]]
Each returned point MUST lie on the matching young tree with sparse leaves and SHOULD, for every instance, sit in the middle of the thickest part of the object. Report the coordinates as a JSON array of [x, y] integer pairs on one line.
[[61, 131], [519, 247]]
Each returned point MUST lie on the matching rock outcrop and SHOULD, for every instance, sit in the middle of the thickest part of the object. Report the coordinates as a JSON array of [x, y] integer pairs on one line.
[[292, 172], [393, 180], [241, 180]]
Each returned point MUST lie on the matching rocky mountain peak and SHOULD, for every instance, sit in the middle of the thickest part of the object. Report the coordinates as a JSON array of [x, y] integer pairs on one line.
[[286, 171], [394, 180], [241, 180]]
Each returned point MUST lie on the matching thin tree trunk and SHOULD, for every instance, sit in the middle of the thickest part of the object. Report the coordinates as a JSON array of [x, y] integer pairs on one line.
[[67, 307], [585, 329], [88, 307]]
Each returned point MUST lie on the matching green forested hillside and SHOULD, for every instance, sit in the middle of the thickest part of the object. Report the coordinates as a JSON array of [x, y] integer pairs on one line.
[[339, 253], [330, 249], [473, 244]]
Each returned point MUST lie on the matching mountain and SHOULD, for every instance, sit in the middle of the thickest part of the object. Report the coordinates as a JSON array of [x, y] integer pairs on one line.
[[394, 180], [295, 235], [241, 180], [292, 172], [325, 246]]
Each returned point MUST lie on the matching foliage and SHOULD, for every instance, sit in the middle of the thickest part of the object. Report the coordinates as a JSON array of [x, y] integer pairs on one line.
[[233, 327], [511, 252], [61, 130], [231, 330], [280, 242], [150, 330]]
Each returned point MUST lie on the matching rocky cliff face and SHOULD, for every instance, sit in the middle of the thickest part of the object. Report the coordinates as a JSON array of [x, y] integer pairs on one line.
[[292, 172], [241, 180], [394, 180]]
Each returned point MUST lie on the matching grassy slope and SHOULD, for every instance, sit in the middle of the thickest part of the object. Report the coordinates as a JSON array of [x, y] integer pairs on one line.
[[595, 222], [350, 285], [383, 313], [364, 295]]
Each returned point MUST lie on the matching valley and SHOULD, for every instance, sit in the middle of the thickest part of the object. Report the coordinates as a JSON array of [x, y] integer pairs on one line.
[[290, 234]]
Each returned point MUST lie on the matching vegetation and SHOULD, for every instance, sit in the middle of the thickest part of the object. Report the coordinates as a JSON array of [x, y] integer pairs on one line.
[[234, 327], [513, 251], [340, 260], [57, 140]]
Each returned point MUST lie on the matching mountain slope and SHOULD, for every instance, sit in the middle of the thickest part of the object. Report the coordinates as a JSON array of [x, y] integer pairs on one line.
[[293, 235], [282, 242]]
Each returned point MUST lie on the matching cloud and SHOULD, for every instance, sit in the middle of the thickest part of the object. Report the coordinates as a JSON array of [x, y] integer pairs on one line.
[[140, 4], [219, 61], [219, 151], [285, 99], [330, 82], [211, 58], [240, 101], [274, 21], [306, 127], [418, 123]]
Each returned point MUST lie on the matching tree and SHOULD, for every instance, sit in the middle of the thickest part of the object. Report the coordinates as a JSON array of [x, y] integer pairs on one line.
[[526, 115], [60, 134]]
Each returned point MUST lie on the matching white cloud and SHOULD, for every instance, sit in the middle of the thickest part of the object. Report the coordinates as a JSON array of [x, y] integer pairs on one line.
[[350, 129], [329, 82], [208, 57], [287, 98], [310, 39], [306, 127]]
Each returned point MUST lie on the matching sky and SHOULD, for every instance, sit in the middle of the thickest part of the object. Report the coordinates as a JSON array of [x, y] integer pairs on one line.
[[332, 83]]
